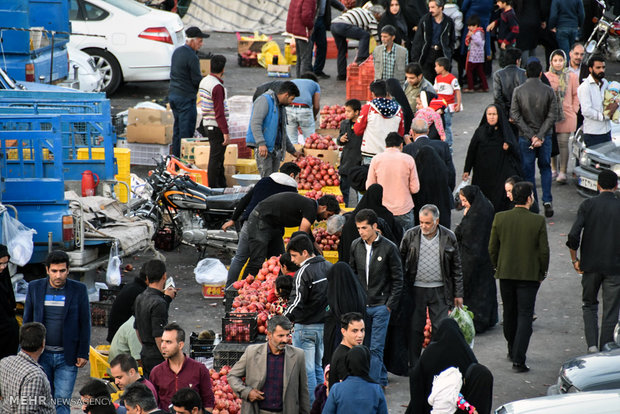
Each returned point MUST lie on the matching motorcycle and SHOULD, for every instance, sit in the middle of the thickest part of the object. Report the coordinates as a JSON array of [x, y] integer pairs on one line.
[[191, 211], [605, 38]]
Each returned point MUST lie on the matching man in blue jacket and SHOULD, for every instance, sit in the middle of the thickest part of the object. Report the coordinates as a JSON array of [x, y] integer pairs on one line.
[[61, 305], [267, 130], [566, 19]]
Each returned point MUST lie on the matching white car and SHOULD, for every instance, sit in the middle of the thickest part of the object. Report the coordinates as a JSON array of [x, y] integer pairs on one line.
[[89, 78], [129, 41], [594, 402]]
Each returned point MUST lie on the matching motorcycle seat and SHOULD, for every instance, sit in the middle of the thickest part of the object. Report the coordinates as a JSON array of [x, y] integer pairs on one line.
[[224, 202]]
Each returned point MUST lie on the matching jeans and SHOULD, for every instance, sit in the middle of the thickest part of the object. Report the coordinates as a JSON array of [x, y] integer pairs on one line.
[[529, 157], [301, 117], [217, 152], [184, 111], [591, 283], [342, 31], [319, 38], [447, 119], [345, 188], [519, 298], [263, 241], [304, 57], [380, 318], [435, 300], [406, 220], [565, 37], [268, 165], [61, 377], [241, 257], [309, 338], [594, 139]]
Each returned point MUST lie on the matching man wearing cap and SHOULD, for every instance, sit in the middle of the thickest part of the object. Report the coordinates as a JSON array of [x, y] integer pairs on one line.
[[185, 78]]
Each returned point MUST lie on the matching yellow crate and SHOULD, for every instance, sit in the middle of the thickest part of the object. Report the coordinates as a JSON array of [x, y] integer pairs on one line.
[[121, 190], [122, 155], [335, 190], [13, 154], [99, 361], [246, 166], [288, 231], [331, 255]]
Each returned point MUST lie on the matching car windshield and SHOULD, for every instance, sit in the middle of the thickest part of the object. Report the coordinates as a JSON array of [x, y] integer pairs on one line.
[[131, 6]]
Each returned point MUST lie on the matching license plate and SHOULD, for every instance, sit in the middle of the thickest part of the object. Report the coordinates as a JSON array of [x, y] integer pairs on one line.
[[587, 183]]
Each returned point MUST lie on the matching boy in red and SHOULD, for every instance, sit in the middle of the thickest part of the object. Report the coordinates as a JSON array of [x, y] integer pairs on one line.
[[448, 89]]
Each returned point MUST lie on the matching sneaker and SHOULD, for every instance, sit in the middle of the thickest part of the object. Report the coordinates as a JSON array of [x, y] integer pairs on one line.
[[561, 178], [593, 349], [322, 75], [520, 368], [342, 77], [548, 209]]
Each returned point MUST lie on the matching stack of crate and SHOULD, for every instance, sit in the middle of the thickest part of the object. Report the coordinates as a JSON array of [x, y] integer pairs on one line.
[[123, 161], [359, 78]]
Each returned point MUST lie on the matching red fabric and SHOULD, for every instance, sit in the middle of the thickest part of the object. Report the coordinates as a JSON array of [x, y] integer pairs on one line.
[[218, 95], [362, 120], [300, 18]]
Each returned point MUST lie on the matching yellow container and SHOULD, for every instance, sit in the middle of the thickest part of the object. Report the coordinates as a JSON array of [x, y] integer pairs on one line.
[[99, 361], [334, 189], [246, 166], [13, 154], [121, 190], [331, 255]]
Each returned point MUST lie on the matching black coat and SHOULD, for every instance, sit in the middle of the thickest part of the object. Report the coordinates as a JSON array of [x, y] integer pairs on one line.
[[9, 328], [443, 150], [399, 22], [530, 15], [422, 41], [434, 185], [122, 308]]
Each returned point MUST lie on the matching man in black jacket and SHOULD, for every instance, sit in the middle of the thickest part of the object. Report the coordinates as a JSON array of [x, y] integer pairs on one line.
[[419, 138], [598, 227], [376, 261], [506, 80], [434, 38], [432, 269], [308, 306], [122, 308]]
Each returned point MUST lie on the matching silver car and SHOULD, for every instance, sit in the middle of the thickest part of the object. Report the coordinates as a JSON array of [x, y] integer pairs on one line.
[[594, 159], [595, 402]]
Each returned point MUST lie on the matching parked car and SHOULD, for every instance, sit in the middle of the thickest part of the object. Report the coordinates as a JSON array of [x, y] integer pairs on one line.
[[128, 41], [7, 82], [599, 402], [89, 78], [594, 159]]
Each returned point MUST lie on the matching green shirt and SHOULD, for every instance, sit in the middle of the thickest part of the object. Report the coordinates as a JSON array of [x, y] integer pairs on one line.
[[126, 341]]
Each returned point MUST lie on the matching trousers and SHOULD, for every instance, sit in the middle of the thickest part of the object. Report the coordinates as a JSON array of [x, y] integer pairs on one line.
[[591, 283], [519, 298]]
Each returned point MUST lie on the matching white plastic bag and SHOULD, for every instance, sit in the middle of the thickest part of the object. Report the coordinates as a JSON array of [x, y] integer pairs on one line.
[[113, 273], [18, 239], [210, 272]]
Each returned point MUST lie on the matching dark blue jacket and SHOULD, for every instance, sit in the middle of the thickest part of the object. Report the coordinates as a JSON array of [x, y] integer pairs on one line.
[[566, 14], [369, 398], [76, 326]]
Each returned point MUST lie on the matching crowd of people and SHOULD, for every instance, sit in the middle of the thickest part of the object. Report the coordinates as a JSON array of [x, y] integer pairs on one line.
[[345, 326]]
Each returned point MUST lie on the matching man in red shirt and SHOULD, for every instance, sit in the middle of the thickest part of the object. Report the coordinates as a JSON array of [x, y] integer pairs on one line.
[[178, 371]]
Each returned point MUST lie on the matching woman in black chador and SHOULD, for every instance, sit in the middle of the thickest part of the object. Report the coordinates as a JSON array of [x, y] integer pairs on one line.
[[473, 238]]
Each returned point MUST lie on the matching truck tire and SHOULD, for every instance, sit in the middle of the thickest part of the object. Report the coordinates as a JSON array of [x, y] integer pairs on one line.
[[110, 70]]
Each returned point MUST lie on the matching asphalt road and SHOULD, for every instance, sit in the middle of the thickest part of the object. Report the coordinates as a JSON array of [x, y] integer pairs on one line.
[[558, 331]]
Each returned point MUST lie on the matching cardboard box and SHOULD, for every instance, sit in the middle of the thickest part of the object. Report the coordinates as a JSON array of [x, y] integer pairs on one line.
[[205, 67], [252, 45], [332, 132], [279, 71], [229, 171], [188, 145], [149, 126], [202, 152], [290, 157], [330, 156]]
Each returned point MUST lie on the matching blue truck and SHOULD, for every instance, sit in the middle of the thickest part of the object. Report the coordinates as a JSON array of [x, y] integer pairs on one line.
[[47, 139], [34, 35]]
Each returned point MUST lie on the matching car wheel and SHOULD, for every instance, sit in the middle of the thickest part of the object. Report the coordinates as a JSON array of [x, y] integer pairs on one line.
[[110, 70]]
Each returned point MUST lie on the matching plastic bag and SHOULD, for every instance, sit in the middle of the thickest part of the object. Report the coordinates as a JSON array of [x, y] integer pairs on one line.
[[268, 51], [455, 194], [335, 224], [18, 239], [465, 319], [113, 273], [210, 272]]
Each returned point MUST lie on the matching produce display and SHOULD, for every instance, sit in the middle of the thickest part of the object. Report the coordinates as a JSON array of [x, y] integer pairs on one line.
[[321, 142], [316, 174], [253, 292], [248, 58], [226, 402], [325, 240], [331, 116], [315, 195]]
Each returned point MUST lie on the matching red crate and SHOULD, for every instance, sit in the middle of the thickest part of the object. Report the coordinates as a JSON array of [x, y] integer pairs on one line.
[[243, 150], [332, 50]]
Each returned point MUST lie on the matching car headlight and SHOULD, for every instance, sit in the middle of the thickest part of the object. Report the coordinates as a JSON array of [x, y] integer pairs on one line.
[[616, 169], [584, 159]]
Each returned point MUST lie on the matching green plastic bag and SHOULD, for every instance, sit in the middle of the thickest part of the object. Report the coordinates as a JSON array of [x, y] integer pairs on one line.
[[465, 319]]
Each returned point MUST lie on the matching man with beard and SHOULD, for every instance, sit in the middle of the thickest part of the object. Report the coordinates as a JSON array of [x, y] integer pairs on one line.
[[596, 126]]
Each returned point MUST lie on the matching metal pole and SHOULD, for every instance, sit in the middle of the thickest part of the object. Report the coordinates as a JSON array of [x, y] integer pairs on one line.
[[52, 60], [49, 241]]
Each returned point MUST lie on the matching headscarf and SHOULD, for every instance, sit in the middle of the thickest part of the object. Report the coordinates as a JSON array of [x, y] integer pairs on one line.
[[344, 291], [449, 340], [397, 20], [479, 217], [503, 126], [357, 362], [385, 106], [395, 89], [4, 251], [563, 79], [325, 373], [434, 187]]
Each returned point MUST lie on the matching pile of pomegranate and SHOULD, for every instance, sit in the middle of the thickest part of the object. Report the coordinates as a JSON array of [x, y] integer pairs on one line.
[[331, 116], [326, 241], [316, 174], [226, 402], [315, 195], [320, 142]]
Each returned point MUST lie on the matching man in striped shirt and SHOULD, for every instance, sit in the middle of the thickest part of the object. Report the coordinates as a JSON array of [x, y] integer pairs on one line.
[[357, 23]]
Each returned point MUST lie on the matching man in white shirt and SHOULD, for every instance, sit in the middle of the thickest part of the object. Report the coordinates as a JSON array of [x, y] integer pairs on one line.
[[596, 126]]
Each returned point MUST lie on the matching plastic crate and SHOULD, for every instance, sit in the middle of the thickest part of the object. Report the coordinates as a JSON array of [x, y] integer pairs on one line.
[[239, 327], [99, 361], [99, 313], [200, 348], [230, 294], [246, 166], [147, 154], [212, 291], [330, 255], [331, 189], [227, 353], [109, 295]]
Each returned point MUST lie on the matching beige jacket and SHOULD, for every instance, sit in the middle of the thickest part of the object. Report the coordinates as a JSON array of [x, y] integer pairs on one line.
[[253, 366], [400, 62]]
